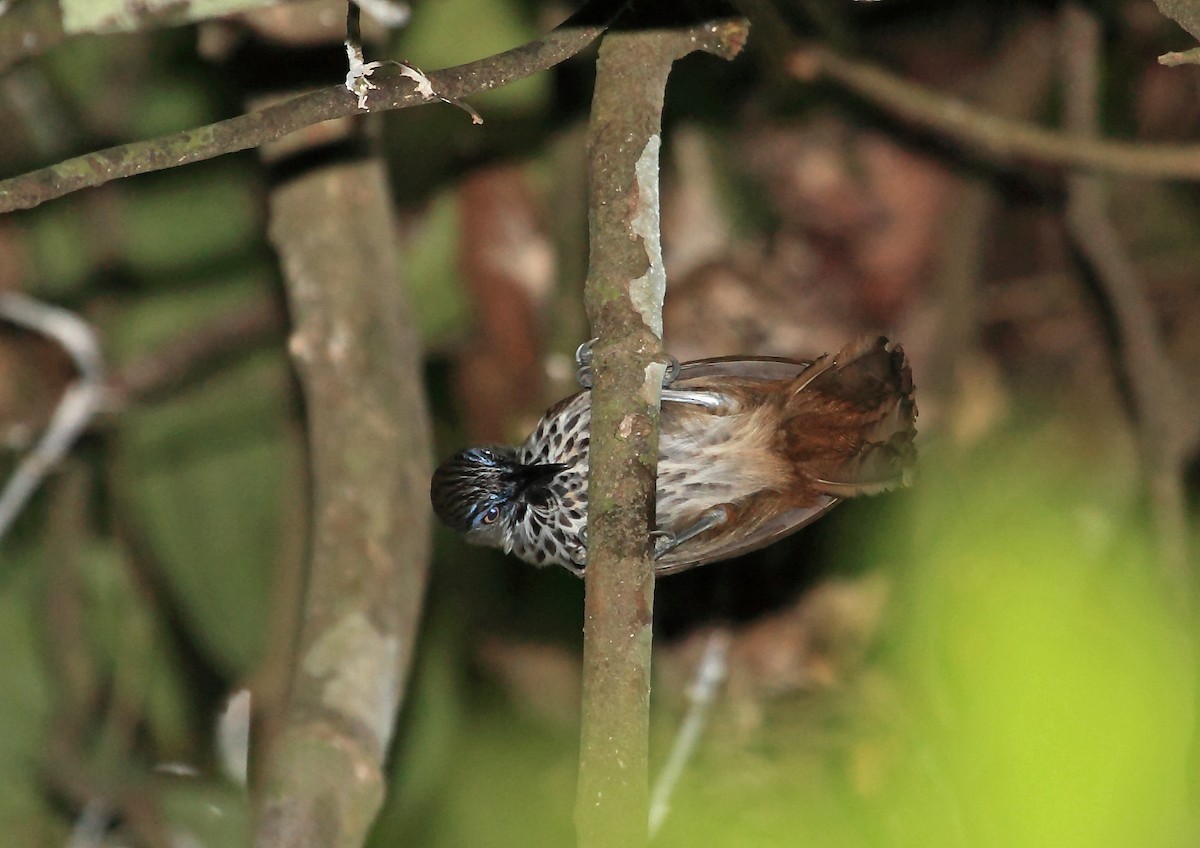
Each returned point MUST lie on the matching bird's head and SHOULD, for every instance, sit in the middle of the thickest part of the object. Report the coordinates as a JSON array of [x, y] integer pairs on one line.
[[480, 492]]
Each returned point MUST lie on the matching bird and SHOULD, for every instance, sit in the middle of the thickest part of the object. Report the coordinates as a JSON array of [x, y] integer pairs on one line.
[[751, 449]]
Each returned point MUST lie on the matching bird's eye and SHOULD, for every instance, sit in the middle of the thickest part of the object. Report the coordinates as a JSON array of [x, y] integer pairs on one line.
[[491, 515]]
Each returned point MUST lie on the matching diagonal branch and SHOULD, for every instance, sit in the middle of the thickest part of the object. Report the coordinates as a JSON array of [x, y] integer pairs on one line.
[[624, 296], [995, 138], [273, 122], [83, 398]]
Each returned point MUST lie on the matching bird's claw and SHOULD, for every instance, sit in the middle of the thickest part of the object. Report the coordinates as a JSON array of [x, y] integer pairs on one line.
[[578, 554], [583, 359], [672, 372], [663, 540], [583, 353]]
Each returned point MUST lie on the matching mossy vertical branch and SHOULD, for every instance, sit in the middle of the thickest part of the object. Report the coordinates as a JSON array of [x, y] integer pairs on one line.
[[624, 295]]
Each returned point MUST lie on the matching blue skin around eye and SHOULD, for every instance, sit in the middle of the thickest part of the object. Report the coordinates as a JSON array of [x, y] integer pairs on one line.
[[481, 511]]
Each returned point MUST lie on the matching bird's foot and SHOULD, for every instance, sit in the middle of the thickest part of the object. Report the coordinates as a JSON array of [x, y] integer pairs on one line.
[[664, 540], [578, 554], [712, 518], [672, 372], [583, 359]]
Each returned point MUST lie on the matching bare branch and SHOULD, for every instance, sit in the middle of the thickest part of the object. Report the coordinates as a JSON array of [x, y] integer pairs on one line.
[[1175, 58], [80, 402], [273, 122], [624, 295], [369, 441], [990, 136]]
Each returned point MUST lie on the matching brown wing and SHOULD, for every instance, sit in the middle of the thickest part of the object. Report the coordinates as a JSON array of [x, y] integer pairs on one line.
[[847, 429], [727, 545]]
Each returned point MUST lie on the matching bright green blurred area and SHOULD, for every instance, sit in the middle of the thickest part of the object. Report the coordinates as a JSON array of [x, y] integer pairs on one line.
[[1050, 674], [1037, 687]]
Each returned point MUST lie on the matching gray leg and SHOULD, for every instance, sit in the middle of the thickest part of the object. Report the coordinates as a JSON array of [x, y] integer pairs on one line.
[[665, 542], [712, 401]]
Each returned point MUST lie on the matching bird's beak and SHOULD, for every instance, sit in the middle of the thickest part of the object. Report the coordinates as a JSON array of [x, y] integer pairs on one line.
[[537, 475]]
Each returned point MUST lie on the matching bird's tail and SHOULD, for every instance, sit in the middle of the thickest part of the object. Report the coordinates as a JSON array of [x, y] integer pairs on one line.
[[849, 420]]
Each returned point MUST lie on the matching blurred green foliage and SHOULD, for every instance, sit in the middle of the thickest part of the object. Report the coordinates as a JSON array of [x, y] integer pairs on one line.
[[26, 705], [100, 688], [204, 474], [1050, 674], [431, 272], [160, 234], [214, 456]]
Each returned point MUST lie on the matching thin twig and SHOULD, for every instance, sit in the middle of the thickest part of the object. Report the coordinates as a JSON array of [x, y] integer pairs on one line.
[[273, 122], [710, 674], [995, 138], [1166, 421], [80, 402]]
